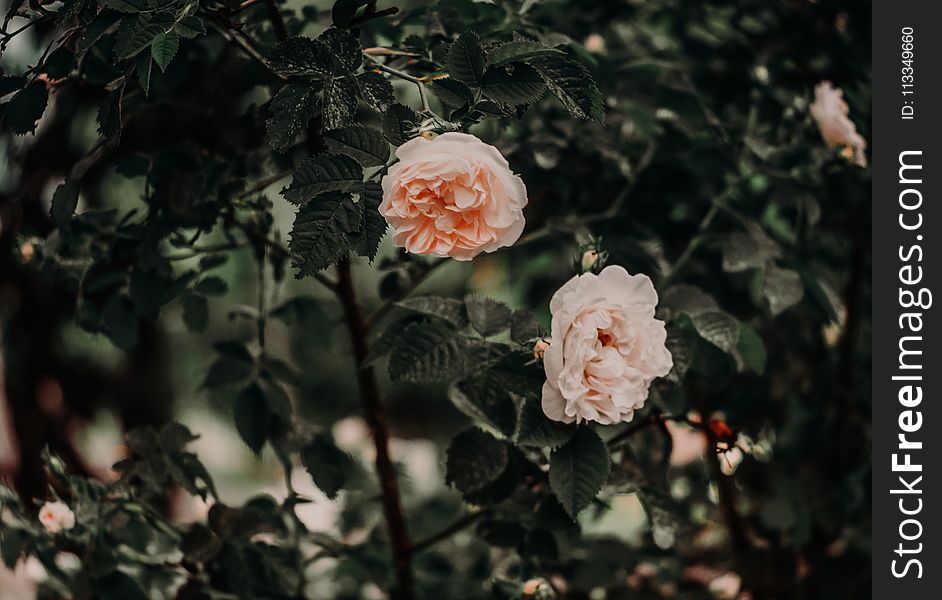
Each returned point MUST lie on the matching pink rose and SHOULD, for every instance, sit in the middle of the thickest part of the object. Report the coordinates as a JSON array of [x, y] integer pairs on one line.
[[56, 516], [606, 348], [452, 195], [830, 112]]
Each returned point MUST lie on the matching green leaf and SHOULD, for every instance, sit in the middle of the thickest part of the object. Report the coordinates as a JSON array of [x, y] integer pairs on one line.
[[120, 320], [376, 90], [534, 428], [362, 143], [226, 372], [137, 33], [474, 460], [373, 227], [195, 312], [328, 465], [320, 236], [299, 310], [782, 290], [524, 328], [519, 50], [211, 286], [164, 48], [449, 309], [64, 201], [190, 27], [483, 398], [324, 173], [144, 68], [717, 327], [578, 470], [344, 11], [237, 351], [751, 348], [290, 111], [26, 107], [400, 124], [252, 417], [465, 61], [572, 83], [453, 93], [301, 56], [344, 48], [125, 6], [516, 84], [340, 101], [426, 353], [59, 64], [488, 317]]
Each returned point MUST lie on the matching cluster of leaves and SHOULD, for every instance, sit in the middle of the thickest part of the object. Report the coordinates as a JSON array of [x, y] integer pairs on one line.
[[674, 134]]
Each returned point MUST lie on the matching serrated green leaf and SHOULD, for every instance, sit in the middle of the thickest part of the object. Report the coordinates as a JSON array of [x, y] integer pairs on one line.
[[782, 289], [344, 48], [26, 107], [474, 460], [534, 428], [516, 84], [320, 236], [572, 83], [136, 34], [400, 124], [120, 320], [488, 317], [426, 353], [164, 48], [252, 417], [301, 56], [751, 348], [362, 143], [324, 173], [524, 328], [190, 27], [340, 101], [519, 50], [465, 61], [376, 90], [289, 112], [195, 312], [373, 226], [578, 470], [328, 465], [717, 327], [343, 11], [124, 6], [452, 92], [482, 397], [449, 309], [64, 201]]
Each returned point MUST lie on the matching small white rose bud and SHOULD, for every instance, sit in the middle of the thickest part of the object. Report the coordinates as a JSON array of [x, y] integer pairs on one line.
[[56, 516], [595, 43], [539, 348], [589, 258]]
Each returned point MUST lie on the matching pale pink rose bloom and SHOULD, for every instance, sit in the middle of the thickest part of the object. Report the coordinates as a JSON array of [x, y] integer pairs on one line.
[[725, 587], [452, 195], [56, 516], [606, 348], [687, 444], [830, 112]]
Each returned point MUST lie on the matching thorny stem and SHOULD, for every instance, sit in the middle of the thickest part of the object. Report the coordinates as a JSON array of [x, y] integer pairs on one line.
[[277, 21], [375, 414], [418, 81]]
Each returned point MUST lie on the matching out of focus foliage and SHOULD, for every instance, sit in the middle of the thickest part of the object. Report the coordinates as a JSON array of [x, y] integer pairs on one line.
[[143, 145]]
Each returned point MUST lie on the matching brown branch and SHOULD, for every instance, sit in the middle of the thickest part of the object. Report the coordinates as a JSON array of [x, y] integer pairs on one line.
[[376, 419], [463, 522], [277, 21]]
